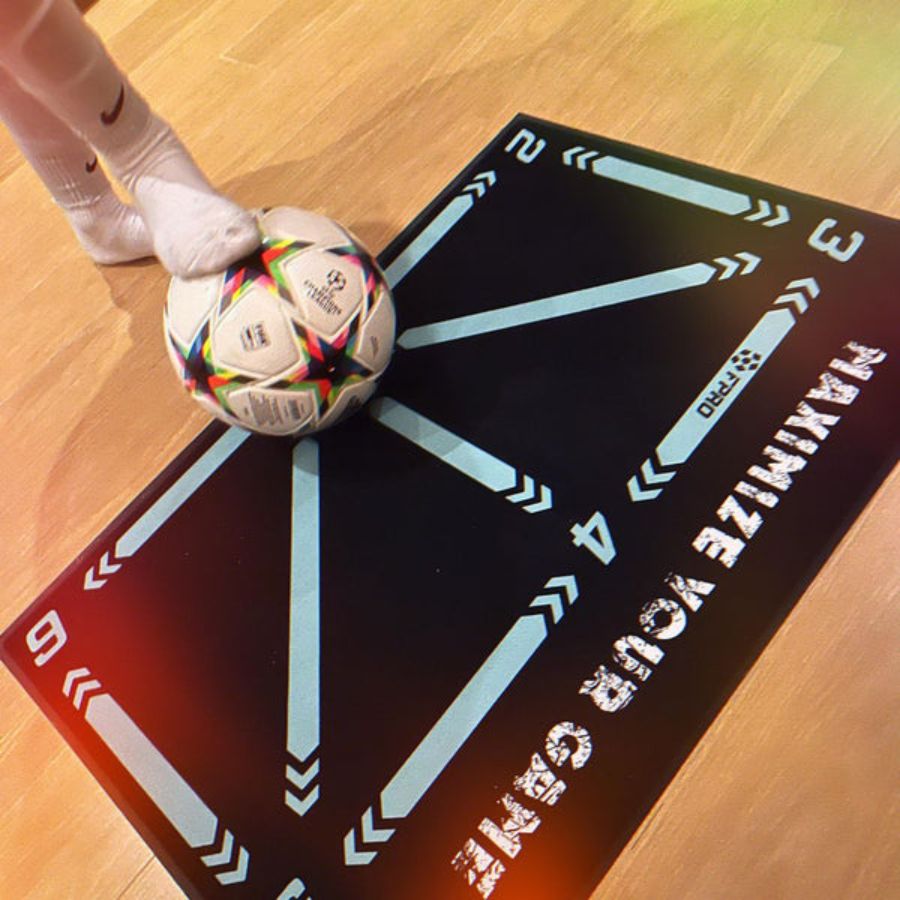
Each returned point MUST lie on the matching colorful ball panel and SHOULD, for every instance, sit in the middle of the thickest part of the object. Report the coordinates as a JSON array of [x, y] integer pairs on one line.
[[290, 339]]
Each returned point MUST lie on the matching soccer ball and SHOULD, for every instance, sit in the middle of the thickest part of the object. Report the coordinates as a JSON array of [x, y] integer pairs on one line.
[[290, 339]]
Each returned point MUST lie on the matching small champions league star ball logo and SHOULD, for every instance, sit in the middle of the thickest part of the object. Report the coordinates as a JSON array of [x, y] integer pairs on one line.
[[746, 360], [336, 280]]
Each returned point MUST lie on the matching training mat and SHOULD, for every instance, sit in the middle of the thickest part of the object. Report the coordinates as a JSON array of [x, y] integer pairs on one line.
[[458, 646]]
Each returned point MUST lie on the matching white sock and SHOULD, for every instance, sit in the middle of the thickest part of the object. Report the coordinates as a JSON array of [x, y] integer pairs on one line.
[[111, 231], [196, 231], [54, 54], [108, 229]]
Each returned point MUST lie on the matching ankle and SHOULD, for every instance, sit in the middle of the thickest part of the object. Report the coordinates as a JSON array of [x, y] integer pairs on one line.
[[109, 230]]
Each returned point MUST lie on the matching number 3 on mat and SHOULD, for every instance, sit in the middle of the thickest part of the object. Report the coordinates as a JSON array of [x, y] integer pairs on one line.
[[832, 246]]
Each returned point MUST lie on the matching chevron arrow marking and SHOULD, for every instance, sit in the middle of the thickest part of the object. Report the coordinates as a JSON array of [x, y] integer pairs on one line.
[[729, 266], [764, 210], [71, 677], [354, 857], [796, 298], [239, 874], [579, 157], [810, 285], [651, 476], [636, 489], [301, 806], [638, 494], [481, 183], [751, 260], [302, 780], [553, 601], [568, 583], [91, 583], [783, 216], [568, 155], [75, 680], [764, 214], [371, 834], [222, 855], [106, 567], [528, 493], [82, 689], [542, 505]]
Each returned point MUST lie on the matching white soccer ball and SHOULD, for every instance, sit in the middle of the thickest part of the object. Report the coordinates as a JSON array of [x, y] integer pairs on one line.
[[290, 339]]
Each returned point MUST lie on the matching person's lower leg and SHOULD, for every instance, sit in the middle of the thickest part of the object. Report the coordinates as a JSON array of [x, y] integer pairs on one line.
[[57, 57], [110, 230]]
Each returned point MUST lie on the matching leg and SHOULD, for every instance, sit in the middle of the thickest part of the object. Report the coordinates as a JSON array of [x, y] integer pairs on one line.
[[57, 57], [110, 231]]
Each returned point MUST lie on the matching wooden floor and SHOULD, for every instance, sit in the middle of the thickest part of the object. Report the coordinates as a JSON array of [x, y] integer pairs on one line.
[[364, 110]]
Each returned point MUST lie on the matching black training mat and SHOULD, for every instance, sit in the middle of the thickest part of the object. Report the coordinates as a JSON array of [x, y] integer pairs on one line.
[[458, 646]]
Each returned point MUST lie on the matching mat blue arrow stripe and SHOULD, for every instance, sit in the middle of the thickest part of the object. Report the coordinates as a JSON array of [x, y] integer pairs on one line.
[[423, 244], [303, 695], [691, 429], [174, 797], [689, 190], [463, 716], [472, 461], [180, 492], [569, 304]]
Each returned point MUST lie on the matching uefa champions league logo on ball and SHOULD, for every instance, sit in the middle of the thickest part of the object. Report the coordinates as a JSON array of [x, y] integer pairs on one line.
[[323, 294], [336, 280]]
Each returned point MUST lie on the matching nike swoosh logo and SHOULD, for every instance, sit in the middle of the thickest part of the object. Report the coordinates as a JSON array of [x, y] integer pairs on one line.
[[108, 118], [91, 166]]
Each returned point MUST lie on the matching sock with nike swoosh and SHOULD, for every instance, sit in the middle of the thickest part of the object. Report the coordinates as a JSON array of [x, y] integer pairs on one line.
[[110, 230], [57, 57]]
